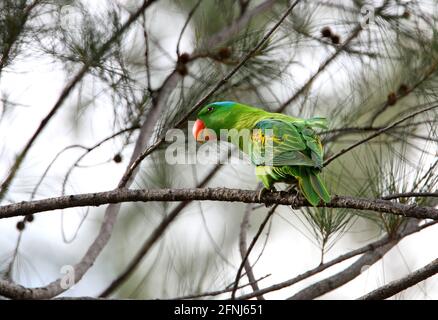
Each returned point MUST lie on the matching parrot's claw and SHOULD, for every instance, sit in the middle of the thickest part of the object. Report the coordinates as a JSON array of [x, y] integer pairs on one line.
[[261, 193], [283, 193], [294, 199]]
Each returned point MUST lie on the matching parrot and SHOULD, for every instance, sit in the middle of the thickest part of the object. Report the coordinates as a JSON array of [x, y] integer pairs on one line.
[[282, 148]]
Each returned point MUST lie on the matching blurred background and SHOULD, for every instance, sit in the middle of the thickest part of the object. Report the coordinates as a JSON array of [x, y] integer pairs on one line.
[[361, 64]]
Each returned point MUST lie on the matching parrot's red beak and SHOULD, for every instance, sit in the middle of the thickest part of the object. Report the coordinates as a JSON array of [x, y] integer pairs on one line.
[[197, 128]]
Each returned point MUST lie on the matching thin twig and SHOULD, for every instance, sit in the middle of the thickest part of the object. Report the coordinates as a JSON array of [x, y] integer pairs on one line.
[[54, 288], [243, 249], [404, 94], [240, 23], [150, 241], [356, 31], [146, 57], [251, 246], [377, 133], [201, 102], [4, 60], [65, 93], [134, 164], [189, 17], [217, 292], [410, 195]]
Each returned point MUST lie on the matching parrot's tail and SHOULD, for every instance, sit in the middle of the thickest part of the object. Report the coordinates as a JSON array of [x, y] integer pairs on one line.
[[311, 185]]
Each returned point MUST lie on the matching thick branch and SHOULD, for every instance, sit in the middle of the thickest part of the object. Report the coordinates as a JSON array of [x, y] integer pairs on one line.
[[354, 270], [367, 248], [397, 286], [212, 194], [339, 279]]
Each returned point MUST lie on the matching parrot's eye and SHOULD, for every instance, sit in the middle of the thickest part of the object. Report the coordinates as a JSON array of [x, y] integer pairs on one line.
[[210, 109]]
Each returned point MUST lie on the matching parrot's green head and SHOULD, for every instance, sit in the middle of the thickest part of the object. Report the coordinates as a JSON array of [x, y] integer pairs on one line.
[[222, 115]]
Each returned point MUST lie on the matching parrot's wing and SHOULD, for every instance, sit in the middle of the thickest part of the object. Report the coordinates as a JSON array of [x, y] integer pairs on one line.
[[313, 142], [277, 143]]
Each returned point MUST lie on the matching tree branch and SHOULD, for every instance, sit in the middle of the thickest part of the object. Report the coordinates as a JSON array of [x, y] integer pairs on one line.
[[377, 133], [186, 23], [339, 279], [356, 31], [411, 195], [12, 290], [369, 247], [212, 194], [243, 248], [167, 86], [5, 55], [151, 240], [251, 246], [397, 286], [203, 100], [402, 95], [238, 24], [65, 93], [228, 288]]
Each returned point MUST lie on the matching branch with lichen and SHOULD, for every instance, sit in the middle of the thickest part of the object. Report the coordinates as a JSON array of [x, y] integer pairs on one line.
[[212, 194]]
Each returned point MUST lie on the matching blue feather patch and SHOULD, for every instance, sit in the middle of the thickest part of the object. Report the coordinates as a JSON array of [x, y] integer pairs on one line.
[[224, 103]]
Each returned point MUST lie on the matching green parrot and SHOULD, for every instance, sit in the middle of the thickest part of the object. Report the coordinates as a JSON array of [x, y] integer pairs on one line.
[[282, 148]]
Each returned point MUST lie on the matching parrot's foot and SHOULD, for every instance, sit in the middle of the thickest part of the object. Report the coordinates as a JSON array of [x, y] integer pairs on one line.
[[293, 191], [262, 192], [294, 201]]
